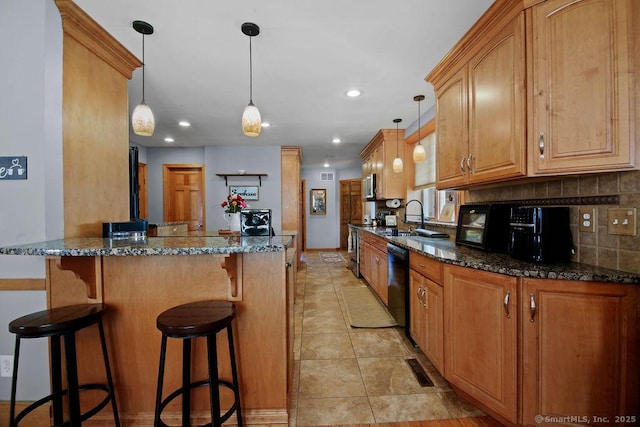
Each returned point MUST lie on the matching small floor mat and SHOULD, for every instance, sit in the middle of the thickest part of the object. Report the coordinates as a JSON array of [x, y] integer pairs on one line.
[[332, 257], [364, 309], [420, 374]]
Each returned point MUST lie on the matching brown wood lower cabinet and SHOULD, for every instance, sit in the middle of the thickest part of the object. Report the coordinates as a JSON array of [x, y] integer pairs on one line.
[[580, 352], [480, 330], [373, 264], [426, 317]]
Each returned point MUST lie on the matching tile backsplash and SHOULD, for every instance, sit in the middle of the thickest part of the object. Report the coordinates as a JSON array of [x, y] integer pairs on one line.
[[599, 248]]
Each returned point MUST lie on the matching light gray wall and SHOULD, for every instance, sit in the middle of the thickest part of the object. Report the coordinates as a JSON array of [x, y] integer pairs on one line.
[[30, 210], [262, 159], [323, 231]]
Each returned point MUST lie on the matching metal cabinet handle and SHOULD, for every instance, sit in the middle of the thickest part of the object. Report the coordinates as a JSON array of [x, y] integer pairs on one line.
[[377, 260], [462, 164], [541, 145], [424, 300], [469, 159], [506, 304], [423, 266], [532, 306]]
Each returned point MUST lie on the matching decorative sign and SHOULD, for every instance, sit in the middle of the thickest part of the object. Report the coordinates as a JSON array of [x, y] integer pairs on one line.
[[247, 192], [13, 168]]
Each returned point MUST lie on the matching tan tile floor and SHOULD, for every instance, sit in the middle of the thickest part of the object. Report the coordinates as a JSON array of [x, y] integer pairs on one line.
[[346, 375]]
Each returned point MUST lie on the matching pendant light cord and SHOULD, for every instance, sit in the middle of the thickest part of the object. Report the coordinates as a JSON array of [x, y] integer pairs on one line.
[[143, 67], [250, 72]]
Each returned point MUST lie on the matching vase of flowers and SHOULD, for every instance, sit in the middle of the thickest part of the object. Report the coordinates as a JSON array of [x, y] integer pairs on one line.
[[232, 207]]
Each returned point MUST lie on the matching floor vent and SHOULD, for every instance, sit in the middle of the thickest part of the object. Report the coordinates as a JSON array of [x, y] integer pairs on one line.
[[420, 374]]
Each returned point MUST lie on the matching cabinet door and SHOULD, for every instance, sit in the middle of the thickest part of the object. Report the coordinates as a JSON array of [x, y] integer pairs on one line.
[[582, 92], [417, 317], [434, 327], [452, 131], [365, 261], [379, 274], [481, 330], [579, 352], [497, 131]]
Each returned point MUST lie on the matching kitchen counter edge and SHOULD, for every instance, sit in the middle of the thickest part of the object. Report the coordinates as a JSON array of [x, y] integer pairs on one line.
[[446, 251], [171, 245]]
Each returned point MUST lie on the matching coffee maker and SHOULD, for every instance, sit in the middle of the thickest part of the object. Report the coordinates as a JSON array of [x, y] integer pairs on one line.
[[540, 234]]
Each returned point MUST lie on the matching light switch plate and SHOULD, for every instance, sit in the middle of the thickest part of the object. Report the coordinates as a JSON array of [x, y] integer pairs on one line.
[[587, 219], [621, 221]]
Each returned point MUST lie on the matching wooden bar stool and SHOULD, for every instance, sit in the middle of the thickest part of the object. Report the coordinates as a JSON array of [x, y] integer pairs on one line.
[[194, 320], [56, 323]]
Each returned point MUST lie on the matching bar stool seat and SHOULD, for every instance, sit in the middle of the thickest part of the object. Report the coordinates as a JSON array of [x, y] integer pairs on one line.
[[186, 322], [57, 323]]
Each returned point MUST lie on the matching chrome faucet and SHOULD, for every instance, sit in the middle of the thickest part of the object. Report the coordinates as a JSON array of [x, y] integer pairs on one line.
[[421, 212]]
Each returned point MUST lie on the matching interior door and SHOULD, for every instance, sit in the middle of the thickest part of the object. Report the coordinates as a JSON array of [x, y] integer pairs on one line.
[[142, 190], [183, 186]]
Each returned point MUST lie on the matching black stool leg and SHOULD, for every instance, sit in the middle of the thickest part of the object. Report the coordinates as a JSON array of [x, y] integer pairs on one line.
[[214, 391], [56, 379], [186, 382], [163, 354], [14, 382], [107, 368], [72, 379], [234, 375]]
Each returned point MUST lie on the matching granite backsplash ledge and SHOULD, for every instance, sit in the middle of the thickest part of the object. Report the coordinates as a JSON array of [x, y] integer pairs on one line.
[[599, 248]]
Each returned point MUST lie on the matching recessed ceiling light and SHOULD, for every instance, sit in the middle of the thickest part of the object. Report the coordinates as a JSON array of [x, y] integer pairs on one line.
[[353, 93], [265, 124], [184, 123], [169, 139], [336, 140], [326, 164]]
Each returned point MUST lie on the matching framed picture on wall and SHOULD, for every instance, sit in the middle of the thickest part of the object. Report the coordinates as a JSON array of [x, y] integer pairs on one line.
[[247, 192], [318, 201]]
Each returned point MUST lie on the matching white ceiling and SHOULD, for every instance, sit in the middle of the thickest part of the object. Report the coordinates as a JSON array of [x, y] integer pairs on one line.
[[308, 54]]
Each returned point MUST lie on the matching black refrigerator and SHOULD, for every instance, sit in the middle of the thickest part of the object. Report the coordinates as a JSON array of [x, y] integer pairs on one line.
[[134, 187]]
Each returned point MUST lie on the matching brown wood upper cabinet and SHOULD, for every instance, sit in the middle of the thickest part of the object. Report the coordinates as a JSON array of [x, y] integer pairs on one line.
[[480, 121], [575, 94], [377, 157], [581, 70]]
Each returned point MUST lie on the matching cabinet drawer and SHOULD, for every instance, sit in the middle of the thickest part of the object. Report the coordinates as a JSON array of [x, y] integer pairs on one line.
[[378, 243], [426, 266]]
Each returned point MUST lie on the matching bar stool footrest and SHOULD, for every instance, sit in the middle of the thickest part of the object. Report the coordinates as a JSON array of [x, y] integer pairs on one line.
[[197, 384], [83, 417]]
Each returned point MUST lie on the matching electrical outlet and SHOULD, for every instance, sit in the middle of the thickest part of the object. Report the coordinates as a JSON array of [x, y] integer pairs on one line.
[[587, 220], [6, 366], [621, 221]]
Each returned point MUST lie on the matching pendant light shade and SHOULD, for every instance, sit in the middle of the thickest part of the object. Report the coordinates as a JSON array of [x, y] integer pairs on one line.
[[251, 120], [397, 162], [142, 119], [419, 153]]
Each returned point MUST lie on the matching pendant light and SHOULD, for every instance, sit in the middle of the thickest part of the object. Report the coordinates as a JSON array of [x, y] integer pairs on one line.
[[251, 120], [397, 162], [142, 119], [419, 153]]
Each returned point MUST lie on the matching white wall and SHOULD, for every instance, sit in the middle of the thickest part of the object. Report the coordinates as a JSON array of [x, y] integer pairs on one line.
[[30, 210]]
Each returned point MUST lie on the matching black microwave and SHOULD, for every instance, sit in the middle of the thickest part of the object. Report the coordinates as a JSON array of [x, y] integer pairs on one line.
[[484, 226]]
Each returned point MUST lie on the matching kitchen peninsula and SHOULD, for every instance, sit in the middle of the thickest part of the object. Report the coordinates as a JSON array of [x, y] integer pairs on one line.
[[138, 279]]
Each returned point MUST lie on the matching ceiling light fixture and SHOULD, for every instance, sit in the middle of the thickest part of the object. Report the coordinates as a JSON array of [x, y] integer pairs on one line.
[[326, 162], [419, 153], [336, 140], [142, 119], [251, 119], [397, 162], [265, 124], [169, 139], [353, 93], [184, 123]]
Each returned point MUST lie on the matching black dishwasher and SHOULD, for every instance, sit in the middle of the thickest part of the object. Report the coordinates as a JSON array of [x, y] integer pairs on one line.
[[398, 284]]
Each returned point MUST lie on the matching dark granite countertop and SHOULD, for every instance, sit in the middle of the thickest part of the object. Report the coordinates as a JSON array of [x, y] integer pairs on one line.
[[446, 250], [206, 243]]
